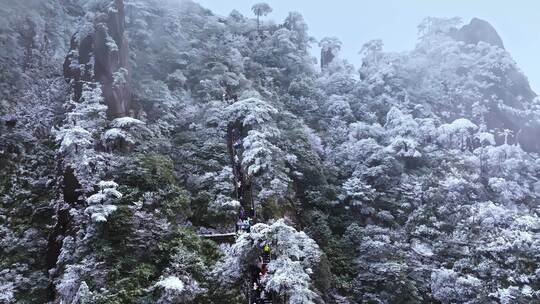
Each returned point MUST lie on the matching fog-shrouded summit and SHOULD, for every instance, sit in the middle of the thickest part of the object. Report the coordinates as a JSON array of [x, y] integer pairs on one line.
[[517, 93], [155, 152], [478, 30]]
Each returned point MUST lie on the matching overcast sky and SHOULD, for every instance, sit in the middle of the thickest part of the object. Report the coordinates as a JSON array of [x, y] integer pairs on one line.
[[355, 22]]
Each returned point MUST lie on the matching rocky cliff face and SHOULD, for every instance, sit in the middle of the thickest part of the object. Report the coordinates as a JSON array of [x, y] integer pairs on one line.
[[326, 57], [98, 57], [478, 30], [101, 54]]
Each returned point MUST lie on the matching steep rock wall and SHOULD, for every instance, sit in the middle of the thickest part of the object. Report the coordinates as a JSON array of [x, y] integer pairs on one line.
[[102, 55]]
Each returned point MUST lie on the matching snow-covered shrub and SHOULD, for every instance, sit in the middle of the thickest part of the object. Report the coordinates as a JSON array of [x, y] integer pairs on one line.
[[100, 204], [124, 133], [448, 286], [68, 285], [224, 208], [177, 290], [458, 134], [510, 191], [251, 111]]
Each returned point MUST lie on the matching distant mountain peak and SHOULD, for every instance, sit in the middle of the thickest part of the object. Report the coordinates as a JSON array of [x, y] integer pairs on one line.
[[478, 30]]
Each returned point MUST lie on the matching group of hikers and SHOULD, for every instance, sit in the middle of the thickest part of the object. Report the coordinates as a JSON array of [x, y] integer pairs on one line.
[[259, 295], [246, 218], [244, 222], [258, 270]]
